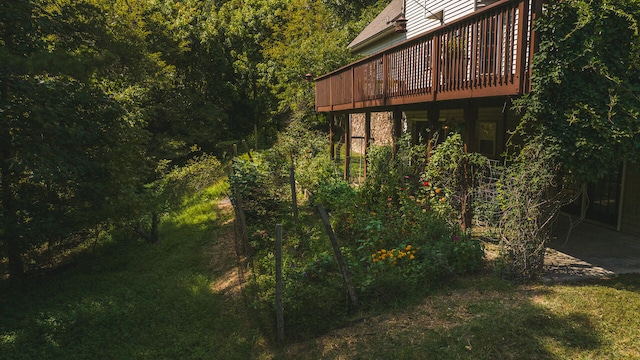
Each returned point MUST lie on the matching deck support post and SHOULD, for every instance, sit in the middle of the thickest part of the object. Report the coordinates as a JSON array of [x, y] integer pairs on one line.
[[367, 139], [397, 130], [470, 124], [332, 131], [347, 146]]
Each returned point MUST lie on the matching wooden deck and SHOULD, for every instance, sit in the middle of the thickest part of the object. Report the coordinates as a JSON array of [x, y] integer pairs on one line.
[[484, 54]]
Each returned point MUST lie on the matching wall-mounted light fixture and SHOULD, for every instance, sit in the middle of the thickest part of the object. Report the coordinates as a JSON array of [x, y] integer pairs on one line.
[[401, 24]]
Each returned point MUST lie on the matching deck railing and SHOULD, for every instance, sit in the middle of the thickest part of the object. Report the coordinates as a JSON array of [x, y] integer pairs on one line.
[[483, 54]]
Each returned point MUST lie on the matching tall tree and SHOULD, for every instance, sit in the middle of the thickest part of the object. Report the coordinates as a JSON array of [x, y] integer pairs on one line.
[[309, 39], [68, 147]]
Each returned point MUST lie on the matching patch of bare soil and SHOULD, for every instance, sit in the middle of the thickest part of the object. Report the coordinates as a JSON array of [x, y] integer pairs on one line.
[[226, 262]]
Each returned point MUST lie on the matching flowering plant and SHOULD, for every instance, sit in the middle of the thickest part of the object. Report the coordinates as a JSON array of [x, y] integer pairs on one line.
[[392, 256]]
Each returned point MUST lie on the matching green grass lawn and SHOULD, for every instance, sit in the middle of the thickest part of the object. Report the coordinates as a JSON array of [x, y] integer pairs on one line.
[[481, 317], [131, 300]]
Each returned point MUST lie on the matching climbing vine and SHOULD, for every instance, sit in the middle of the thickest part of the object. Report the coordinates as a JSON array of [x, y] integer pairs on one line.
[[584, 103]]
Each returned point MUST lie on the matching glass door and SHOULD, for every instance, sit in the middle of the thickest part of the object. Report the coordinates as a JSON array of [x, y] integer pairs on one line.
[[603, 199]]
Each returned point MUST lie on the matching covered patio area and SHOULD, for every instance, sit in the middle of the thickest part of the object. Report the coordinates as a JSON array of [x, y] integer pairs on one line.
[[590, 250]]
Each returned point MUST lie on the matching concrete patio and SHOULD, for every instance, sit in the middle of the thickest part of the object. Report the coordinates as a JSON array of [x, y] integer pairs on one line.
[[590, 251]]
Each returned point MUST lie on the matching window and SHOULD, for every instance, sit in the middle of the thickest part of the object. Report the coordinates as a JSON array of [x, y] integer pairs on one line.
[[487, 138]]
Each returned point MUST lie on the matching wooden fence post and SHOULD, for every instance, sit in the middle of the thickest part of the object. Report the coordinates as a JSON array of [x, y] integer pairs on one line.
[[294, 197], [246, 148], [240, 220], [279, 306], [336, 249]]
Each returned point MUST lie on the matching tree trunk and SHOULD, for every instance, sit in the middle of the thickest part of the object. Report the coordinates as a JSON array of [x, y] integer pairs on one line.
[[155, 221], [153, 236], [9, 237]]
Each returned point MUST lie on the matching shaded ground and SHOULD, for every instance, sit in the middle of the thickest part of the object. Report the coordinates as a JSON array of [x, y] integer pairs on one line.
[[590, 251]]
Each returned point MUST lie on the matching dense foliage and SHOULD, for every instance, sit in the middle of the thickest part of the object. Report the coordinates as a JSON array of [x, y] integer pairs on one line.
[[101, 100], [584, 103], [581, 119], [397, 232]]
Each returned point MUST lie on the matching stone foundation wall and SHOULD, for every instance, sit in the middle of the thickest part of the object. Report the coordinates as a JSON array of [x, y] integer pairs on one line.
[[381, 130]]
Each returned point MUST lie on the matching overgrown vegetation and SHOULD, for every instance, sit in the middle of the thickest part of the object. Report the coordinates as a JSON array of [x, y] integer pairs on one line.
[[125, 299], [154, 89], [97, 95], [164, 301], [583, 104], [396, 231], [580, 119]]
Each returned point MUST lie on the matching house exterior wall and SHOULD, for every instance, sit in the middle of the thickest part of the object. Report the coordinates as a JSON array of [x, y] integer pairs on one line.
[[388, 41], [420, 15], [418, 12], [381, 130]]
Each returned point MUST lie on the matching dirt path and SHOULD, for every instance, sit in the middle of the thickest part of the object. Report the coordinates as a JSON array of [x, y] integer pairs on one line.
[[225, 261]]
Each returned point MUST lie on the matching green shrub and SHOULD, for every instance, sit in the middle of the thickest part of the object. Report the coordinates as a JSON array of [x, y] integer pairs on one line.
[[335, 195], [452, 168], [395, 232], [530, 196], [308, 151], [257, 188]]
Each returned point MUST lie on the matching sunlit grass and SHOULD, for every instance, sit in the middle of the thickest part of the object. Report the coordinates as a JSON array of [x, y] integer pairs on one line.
[[126, 299], [132, 300], [199, 209], [481, 317], [195, 215]]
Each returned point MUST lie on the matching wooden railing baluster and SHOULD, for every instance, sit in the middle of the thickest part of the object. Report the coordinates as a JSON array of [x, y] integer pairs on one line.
[[483, 54]]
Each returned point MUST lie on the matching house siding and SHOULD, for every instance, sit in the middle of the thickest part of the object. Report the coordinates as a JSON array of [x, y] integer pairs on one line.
[[378, 46], [418, 12]]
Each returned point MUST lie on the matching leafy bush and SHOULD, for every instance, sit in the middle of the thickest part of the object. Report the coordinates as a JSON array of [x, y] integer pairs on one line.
[[530, 196], [256, 187], [307, 149], [457, 170], [394, 231], [335, 195]]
